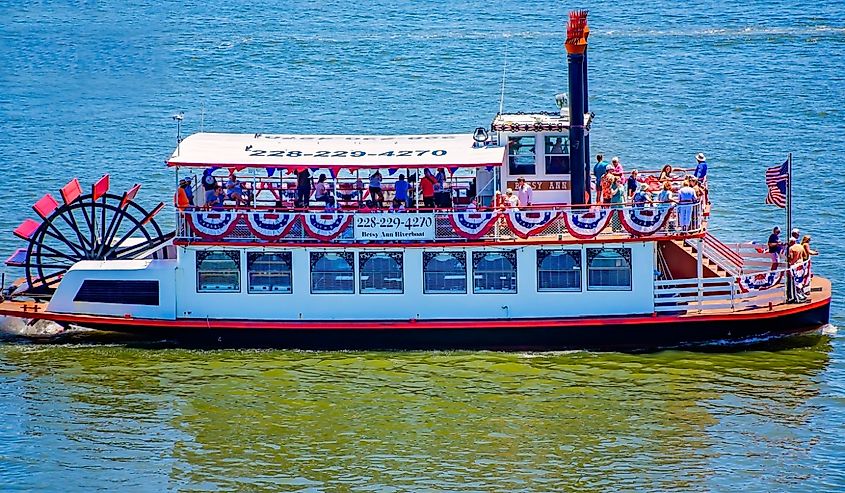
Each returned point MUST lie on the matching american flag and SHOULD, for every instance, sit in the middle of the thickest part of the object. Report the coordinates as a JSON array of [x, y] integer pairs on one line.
[[777, 179]]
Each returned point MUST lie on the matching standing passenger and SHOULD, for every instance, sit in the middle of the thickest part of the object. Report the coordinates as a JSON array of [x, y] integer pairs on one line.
[[524, 192], [700, 167], [598, 171], [686, 201], [400, 197], [303, 188], [427, 187], [376, 195]]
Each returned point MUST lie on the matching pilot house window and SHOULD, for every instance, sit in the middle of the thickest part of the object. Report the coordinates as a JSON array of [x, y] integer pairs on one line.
[[332, 272], [218, 271], [269, 272], [557, 155], [494, 272], [521, 151]]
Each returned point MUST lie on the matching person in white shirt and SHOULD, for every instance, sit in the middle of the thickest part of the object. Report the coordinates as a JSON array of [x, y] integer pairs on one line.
[[524, 192], [511, 200]]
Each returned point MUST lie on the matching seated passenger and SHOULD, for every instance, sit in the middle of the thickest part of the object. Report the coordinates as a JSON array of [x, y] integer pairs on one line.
[[321, 191], [214, 199], [234, 189], [641, 197]]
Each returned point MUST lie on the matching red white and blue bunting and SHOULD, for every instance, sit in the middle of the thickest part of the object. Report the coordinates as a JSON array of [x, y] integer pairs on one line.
[[212, 225], [270, 225], [588, 224], [325, 226], [641, 221], [760, 281], [528, 223], [472, 225], [801, 276]]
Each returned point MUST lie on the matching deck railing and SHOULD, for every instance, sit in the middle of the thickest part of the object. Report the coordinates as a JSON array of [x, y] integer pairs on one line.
[[581, 223], [733, 293]]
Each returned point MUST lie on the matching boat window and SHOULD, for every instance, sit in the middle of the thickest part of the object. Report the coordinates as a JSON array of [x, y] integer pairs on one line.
[[494, 272], [218, 271], [558, 270], [444, 272], [521, 155], [332, 272], [269, 272], [118, 292], [609, 268], [381, 272], [557, 155]]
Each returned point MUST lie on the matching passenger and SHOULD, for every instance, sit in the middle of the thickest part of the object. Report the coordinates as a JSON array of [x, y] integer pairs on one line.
[[359, 191], [472, 206], [181, 198], [498, 201], [632, 184], [700, 168], [185, 183], [215, 199], [401, 187], [775, 247], [441, 195], [606, 182], [376, 194], [805, 244], [511, 200], [427, 187], [524, 192], [795, 234], [686, 202], [665, 199], [641, 197], [209, 183], [795, 256], [665, 173], [617, 198], [322, 191], [303, 188], [234, 189], [616, 166], [599, 170]]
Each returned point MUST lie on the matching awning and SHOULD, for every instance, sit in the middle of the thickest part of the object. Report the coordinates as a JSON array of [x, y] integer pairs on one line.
[[334, 151]]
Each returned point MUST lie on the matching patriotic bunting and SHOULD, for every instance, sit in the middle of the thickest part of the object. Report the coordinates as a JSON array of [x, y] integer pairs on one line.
[[212, 225], [325, 226], [472, 225], [801, 276], [641, 221], [588, 224], [270, 225], [528, 223], [760, 281]]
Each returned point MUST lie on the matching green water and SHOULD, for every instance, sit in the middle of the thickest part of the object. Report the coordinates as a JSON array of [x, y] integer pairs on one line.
[[124, 419]]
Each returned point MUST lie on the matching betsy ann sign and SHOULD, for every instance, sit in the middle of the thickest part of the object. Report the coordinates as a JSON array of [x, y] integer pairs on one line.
[[398, 226]]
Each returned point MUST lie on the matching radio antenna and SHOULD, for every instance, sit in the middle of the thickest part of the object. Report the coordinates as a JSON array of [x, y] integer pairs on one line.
[[504, 75]]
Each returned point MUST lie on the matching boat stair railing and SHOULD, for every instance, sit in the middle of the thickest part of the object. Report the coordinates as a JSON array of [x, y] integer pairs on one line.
[[734, 293], [547, 223], [721, 254], [755, 256]]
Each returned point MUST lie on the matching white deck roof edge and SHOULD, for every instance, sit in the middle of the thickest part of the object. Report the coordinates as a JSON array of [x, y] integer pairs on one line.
[[334, 151]]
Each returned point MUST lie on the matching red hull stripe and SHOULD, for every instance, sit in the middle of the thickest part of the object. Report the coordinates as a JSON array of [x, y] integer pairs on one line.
[[211, 324]]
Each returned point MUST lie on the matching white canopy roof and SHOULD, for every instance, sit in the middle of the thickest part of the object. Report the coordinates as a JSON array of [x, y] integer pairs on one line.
[[334, 151]]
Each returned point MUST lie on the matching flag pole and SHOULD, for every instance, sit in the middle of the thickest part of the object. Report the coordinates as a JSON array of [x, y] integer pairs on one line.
[[789, 196]]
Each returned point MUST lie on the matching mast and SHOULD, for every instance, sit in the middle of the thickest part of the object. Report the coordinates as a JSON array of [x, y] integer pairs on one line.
[[789, 195], [587, 158], [576, 46]]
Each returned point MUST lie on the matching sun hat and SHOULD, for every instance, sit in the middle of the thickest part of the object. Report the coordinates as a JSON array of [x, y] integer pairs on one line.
[[700, 157]]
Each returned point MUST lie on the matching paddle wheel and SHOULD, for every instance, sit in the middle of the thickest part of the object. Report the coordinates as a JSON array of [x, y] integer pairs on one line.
[[94, 226]]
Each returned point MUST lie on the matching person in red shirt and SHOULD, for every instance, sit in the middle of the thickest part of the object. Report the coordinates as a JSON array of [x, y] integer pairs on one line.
[[427, 188]]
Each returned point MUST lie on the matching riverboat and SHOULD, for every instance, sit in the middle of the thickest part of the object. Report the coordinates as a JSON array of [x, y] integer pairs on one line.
[[373, 259]]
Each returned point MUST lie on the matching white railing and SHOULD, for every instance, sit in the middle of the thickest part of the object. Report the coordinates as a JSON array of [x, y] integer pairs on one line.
[[718, 293], [755, 256], [549, 222]]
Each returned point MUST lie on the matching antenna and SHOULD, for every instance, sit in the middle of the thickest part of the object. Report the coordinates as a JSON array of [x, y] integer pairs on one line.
[[178, 117], [504, 74]]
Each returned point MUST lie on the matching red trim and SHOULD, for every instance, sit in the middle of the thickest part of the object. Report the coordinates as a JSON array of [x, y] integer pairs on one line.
[[408, 324], [434, 244]]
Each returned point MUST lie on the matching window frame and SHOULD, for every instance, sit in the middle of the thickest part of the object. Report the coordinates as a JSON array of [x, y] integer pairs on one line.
[[547, 154], [478, 256], [544, 253], [397, 257], [512, 155], [202, 256], [250, 260], [624, 253], [314, 257], [429, 256], [144, 292]]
